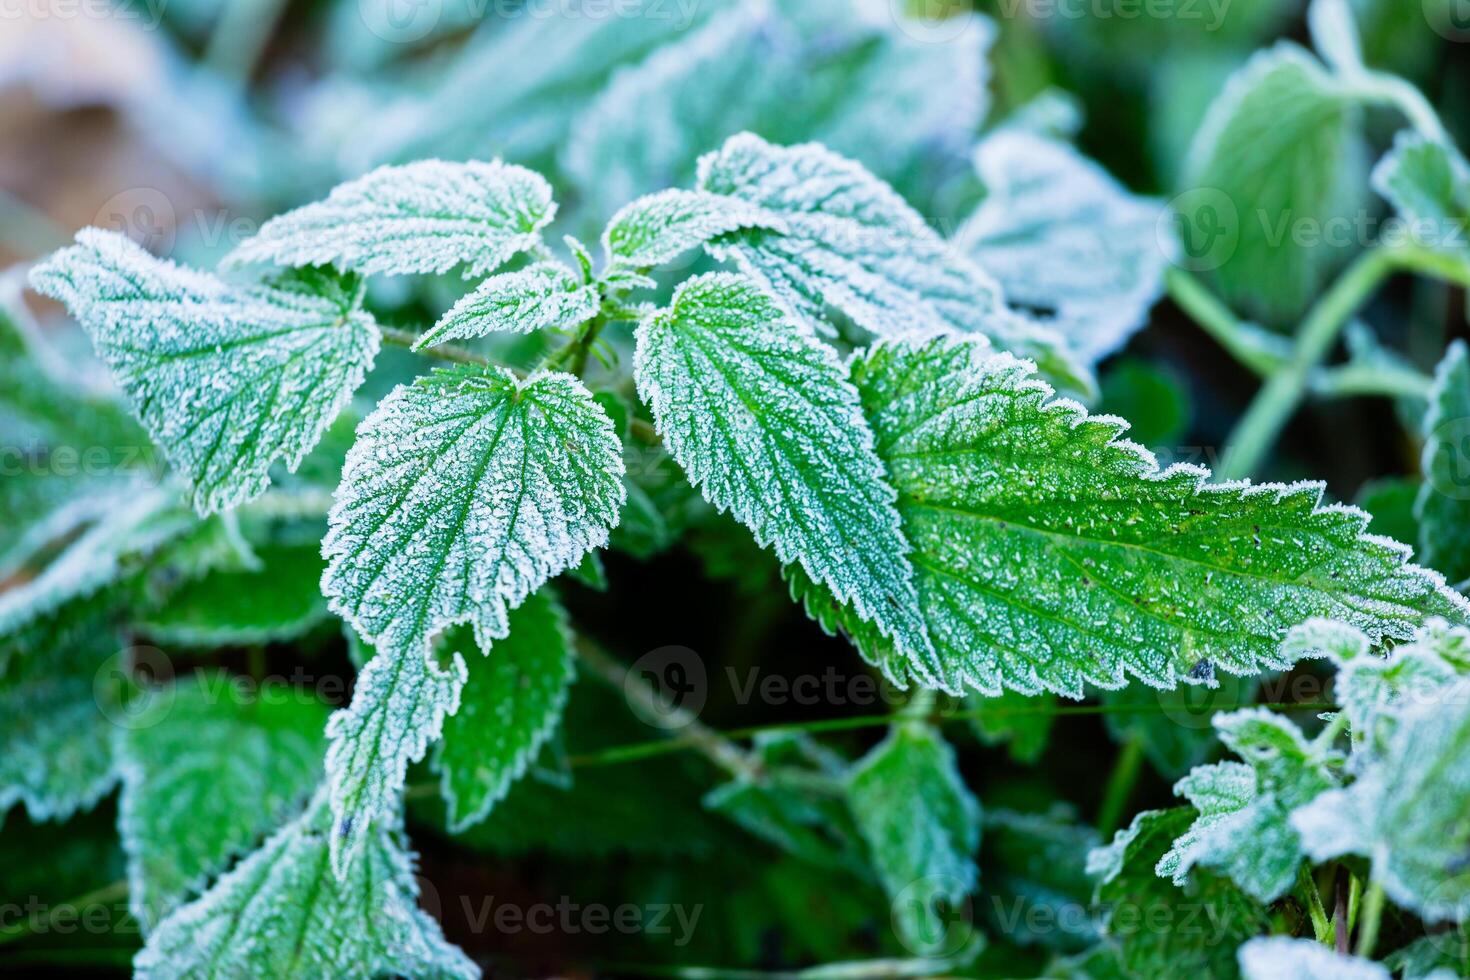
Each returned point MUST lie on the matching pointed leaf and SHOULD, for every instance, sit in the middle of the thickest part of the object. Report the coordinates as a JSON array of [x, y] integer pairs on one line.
[[758, 413], [660, 227], [511, 702], [852, 243], [538, 297], [1050, 554], [281, 913], [1443, 505], [426, 217], [227, 379], [1428, 183], [922, 826]]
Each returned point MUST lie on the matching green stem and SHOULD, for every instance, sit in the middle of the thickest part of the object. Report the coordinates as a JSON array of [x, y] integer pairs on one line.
[[1259, 351], [240, 36], [1274, 404], [1120, 786], [1371, 917], [575, 351], [1386, 89]]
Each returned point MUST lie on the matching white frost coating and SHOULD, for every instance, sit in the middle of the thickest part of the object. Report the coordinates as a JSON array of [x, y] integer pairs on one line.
[[1335, 35], [398, 708], [1243, 829], [660, 227], [1050, 553], [463, 494], [537, 297], [854, 244], [281, 913], [1285, 958], [759, 414], [226, 379], [425, 217], [1060, 234]]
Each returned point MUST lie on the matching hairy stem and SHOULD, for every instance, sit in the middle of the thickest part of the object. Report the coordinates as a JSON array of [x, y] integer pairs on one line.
[[1371, 917], [443, 352], [1312, 899]]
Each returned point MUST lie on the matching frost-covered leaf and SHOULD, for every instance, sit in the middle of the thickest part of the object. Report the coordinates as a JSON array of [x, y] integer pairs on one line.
[[1443, 505], [1280, 150], [1406, 811], [922, 826], [57, 699], [758, 413], [1050, 554], [426, 217], [280, 599], [1243, 829], [660, 227], [1173, 725], [1285, 958], [853, 244], [210, 766], [398, 706], [1428, 183], [466, 491], [1063, 237], [538, 297], [862, 78], [1162, 930], [510, 704], [281, 913], [136, 524], [227, 379]]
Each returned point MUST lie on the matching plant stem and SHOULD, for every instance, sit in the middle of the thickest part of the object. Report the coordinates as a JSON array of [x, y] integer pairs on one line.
[[1249, 344], [1274, 404], [1372, 915], [1120, 786], [576, 349], [444, 352]]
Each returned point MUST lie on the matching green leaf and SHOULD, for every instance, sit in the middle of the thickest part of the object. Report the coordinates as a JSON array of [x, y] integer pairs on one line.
[[59, 696], [210, 765], [464, 493], [280, 599], [1285, 958], [399, 702], [1278, 156], [1428, 184], [851, 243], [922, 826], [1159, 928], [1243, 828], [660, 227], [1062, 236], [1050, 554], [538, 297], [1443, 505], [1406, 811], [424, 217], [758, 413], [282, 913], [510, 704], [226, 379]]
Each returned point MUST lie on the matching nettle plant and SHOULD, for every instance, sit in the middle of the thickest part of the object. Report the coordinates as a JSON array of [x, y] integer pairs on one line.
[[867, 401]]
